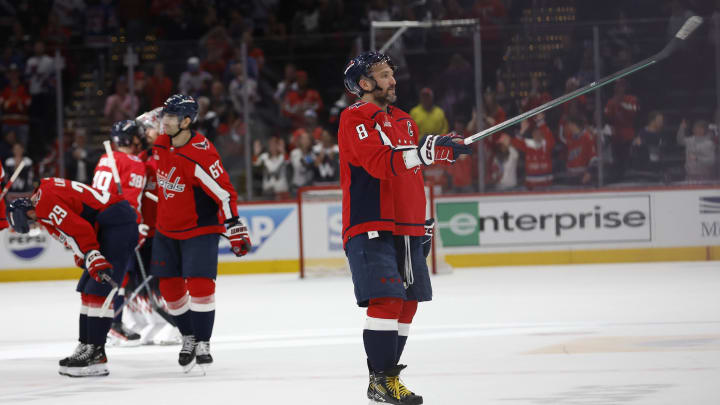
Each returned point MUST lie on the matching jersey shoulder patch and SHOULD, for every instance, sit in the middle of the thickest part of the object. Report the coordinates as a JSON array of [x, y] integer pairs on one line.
[[202, 145], [361, 110]]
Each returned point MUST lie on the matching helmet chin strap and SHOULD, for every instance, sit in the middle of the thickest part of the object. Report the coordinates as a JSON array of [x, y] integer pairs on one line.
[[180, 129]]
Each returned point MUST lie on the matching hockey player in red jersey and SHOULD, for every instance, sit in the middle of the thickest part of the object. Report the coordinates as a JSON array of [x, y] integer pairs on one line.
[[384, 224], [131, 170], [196, 204], [102, 230]]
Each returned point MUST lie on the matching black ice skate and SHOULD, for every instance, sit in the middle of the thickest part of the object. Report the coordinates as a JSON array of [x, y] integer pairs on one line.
[[386, 388], [203, 358], [81, 347], [90, 363], [187, 353], [119, 335]]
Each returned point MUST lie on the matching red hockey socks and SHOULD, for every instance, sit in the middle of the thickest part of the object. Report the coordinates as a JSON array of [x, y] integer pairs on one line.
[[202, 306], [175, 293], [406, 316], [98, 321], [194, 313], [380, 335]]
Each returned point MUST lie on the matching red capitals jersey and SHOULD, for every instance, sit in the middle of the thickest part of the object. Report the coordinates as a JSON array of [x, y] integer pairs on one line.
[[379, 192], [132, 178], [538, 158], [68, 209], [149, 206], [195, 196], [621, 116], [3, 219], [581, 151]]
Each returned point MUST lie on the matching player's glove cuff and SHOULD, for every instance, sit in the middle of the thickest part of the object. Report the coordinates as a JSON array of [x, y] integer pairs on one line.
[[427, 239], [91, 256]]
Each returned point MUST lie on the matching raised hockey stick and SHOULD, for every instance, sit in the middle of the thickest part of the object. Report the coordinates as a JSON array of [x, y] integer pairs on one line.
[[690, 25], [14, 177], [113, 165]]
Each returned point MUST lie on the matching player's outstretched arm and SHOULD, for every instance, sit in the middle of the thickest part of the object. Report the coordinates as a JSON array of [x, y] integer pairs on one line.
[[365, 140]]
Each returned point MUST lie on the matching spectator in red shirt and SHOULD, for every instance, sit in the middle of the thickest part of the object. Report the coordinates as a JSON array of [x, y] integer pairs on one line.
[[464, 171], [538, 152], [492, 14], [536, 97], [15, 102], [581, 150], [493, 114], [575, 106], [159, 87], [298, 101], [620, 111]]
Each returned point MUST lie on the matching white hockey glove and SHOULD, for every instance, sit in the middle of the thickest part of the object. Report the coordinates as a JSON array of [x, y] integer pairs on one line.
[[150, 119], [97, 265], [238, 236], [441, 149]]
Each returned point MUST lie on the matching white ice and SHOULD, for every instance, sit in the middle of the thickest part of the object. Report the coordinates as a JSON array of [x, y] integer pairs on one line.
[[594, 334]]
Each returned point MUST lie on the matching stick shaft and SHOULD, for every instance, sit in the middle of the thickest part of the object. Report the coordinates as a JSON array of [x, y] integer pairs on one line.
[[133, 294], [113, 165], [13, 177], [686, 30], [562, 99]]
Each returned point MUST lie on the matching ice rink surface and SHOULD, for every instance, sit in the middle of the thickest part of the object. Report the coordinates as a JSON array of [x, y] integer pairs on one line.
[[593, 334]]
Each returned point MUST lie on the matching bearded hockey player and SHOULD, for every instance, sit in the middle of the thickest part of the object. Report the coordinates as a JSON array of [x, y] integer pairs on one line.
[[384, 224]]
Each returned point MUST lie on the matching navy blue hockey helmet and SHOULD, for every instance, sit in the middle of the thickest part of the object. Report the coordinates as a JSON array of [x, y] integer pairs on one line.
[[123, 132], [17, 214], [182, 106], [360, 66]]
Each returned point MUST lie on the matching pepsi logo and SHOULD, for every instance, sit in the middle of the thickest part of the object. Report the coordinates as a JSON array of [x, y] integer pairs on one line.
[[26, 246]]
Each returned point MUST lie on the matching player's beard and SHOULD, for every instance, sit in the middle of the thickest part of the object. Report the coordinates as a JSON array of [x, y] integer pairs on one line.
[[385, 96]]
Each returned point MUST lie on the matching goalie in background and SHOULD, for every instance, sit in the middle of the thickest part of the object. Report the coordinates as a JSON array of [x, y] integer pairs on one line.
[[384, 225]]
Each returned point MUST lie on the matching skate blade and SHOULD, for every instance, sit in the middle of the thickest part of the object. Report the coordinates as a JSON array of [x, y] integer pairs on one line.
[[96, 370], [188, 368], [204, 367]]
